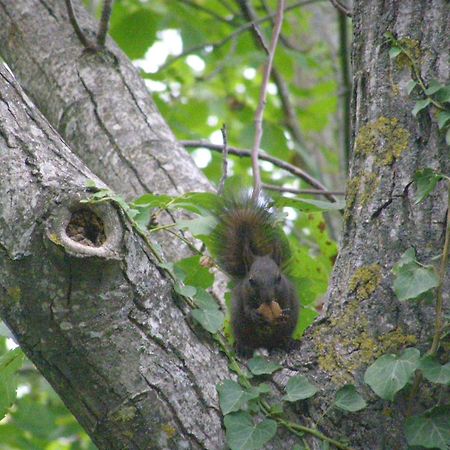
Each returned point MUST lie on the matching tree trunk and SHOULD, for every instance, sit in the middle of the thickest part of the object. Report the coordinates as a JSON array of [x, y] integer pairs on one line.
[[100, 321], [364, 319]]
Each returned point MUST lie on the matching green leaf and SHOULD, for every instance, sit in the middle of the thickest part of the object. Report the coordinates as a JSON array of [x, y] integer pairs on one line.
[[394, 52], [433, 87], [421, 104], [426, 180], [429, 430], [411, 279], [390, 373], [185, 291], [243, 434], [198, 226], [205, 300], [152, 201], [447, 137], [443, 119], [233, 397], [135, 33], [10, 363], [210, 319], [348, 399], [299, 388], [198, 202], [443, 95], [309, 205], [260, 366], [196, 274], [410, 86], [433, 371]]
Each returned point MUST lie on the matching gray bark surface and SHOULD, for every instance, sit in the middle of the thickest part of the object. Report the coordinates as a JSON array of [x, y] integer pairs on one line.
[[364, 319], [101, 323]]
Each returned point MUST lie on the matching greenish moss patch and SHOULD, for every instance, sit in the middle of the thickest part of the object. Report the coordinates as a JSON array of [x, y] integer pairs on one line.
[[125, 414], [384, 138], [169, 430], [345, 345], [365, 281], [15, 293]]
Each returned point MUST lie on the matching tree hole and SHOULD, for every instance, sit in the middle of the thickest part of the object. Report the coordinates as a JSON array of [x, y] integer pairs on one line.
[[86, 228]]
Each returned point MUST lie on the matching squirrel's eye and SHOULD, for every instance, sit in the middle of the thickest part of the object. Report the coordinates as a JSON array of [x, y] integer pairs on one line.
[[278, 280], [252, 282]]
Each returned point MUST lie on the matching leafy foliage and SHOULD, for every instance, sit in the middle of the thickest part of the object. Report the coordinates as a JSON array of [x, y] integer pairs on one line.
[[299, 388], [411, 278], [431, 429], [390, 373], [244, 434], [348, 399]]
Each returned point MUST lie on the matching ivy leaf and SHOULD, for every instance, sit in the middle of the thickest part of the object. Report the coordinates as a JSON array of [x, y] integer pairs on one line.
[[199, 226], [410, 86], [10, 363], [309, 205], [429, 430], [390, 373], [421, 104], [443, 95], [196, 274], [243, 434], [433, 371], [426, 180], [299, 388], [433, 87], [411, 279], [348, 399], [394, 52], [233, 397], [185, 291], [259, 366], [205, 300], [443, 119], [210, 319]]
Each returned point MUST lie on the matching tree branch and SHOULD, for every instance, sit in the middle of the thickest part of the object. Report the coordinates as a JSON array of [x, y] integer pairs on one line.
[[265, 157], [262, 99], [104, 23], [342, 8]]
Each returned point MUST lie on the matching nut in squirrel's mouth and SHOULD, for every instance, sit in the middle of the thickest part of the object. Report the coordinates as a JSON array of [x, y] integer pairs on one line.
[[270, 311]]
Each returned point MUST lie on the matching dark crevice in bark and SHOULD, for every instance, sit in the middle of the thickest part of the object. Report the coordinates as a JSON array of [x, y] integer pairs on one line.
[[110, 137]]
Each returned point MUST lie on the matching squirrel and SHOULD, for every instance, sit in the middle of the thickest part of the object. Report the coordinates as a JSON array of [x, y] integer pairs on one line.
[[252, 250]]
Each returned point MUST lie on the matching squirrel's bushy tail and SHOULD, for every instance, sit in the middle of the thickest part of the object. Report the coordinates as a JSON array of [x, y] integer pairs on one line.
[[246, 228]]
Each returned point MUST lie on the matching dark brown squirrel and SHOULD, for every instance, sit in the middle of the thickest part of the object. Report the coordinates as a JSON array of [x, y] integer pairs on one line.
[[253, 250]]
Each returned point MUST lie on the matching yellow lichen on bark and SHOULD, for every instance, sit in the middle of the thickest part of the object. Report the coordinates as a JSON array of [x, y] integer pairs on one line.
[[383, 138]]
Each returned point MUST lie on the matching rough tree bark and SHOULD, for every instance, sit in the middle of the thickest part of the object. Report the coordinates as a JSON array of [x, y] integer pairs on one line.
[[101, 323]]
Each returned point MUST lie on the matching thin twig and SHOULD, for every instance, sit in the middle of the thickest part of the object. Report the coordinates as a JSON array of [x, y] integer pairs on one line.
[[73, 20], [218, 44], [104, 23], [205, 10], [342, 8], [224, 158], [345, 89], [439, 291], [273, 187], [289, 110], [262, 99], [305, 176]]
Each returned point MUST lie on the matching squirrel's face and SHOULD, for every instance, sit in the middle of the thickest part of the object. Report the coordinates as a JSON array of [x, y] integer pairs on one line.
[[264, 277]]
